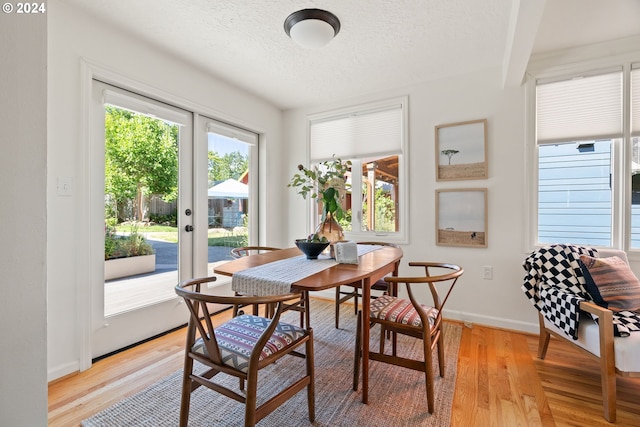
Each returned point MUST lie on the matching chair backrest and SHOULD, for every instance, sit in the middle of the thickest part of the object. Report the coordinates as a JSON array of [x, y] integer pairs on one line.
[[200, 315], [435, 275], [250, 250], [607, 252]]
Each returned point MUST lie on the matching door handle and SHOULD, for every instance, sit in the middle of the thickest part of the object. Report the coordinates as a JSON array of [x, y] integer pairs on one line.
[[188, 228]]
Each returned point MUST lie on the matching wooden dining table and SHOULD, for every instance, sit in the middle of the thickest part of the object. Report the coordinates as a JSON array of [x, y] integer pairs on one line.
[[371, 267]]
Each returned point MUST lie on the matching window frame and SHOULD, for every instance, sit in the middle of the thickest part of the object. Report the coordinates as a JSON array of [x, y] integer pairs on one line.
[[401, 236], [620, 151]]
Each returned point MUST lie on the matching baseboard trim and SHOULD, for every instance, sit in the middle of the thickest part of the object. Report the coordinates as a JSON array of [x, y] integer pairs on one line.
[[466, 317], [63, 370], [496, 322]]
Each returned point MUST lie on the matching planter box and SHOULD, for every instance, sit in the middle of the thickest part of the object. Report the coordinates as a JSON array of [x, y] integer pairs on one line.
[[125, 267]]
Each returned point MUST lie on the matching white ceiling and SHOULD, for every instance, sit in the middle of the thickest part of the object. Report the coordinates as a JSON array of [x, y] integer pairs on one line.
[[382, 44]]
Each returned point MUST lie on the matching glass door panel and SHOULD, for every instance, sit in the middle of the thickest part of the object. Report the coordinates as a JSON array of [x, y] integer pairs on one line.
[[231, 176], [142, 178]]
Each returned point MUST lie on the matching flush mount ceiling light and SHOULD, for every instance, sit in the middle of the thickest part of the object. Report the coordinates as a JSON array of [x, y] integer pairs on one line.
[[312, 28]]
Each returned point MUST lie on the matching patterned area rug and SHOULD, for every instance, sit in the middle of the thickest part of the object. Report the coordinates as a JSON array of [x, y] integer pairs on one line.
[[397, 396]]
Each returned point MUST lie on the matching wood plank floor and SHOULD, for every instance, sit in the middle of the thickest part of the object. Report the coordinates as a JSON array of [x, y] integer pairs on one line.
[[500, 382]]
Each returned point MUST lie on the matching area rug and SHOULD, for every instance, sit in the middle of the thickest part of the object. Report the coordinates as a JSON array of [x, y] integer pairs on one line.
[[397, 396]]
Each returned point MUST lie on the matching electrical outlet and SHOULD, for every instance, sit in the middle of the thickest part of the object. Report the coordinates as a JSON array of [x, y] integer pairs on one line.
[[487, 272]]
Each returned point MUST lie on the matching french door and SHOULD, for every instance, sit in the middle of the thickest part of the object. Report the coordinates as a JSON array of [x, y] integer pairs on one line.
[[172, 180], [139, 146]]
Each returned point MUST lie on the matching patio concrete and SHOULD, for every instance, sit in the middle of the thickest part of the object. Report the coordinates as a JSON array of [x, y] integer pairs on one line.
[[121, 295]]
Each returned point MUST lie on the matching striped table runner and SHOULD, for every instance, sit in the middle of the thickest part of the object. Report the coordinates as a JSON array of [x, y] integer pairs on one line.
[[275, 278]]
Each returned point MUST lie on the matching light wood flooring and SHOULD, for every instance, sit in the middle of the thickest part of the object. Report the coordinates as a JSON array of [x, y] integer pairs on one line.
[[500, 382]]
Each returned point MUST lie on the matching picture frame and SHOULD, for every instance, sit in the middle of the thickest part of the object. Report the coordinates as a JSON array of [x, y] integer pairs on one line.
[[461, 217], [461, 151]]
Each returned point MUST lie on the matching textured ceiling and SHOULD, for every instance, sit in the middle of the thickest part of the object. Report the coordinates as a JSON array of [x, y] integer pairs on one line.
[[382, 44]]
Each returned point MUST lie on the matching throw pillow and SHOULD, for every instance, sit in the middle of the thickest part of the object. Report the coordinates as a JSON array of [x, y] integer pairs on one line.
[[611, 283]]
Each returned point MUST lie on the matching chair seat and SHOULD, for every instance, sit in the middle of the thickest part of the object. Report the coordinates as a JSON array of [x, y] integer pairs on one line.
[[237, 337], [626, 348], [400, 310]]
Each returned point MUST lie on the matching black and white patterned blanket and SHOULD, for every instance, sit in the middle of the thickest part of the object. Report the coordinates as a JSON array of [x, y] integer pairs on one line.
[[555, 286]]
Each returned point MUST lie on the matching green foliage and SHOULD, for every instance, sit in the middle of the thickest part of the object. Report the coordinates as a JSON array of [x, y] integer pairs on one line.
[[141, 158], [125, 246], [231, 165], [323, 183], [111, 222], [170, 220], [345, 221], [385, 212], [232, 241], [449, 153]]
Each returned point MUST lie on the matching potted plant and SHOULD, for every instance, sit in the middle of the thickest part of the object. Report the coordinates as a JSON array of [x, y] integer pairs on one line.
[[327, 184]]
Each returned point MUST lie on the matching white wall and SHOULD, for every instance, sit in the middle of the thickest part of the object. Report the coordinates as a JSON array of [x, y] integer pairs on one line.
[[23, 140], [74, 36], [498, 302]]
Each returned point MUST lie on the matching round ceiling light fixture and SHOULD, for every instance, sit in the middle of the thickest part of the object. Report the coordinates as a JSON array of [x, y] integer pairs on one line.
[[312, 28]]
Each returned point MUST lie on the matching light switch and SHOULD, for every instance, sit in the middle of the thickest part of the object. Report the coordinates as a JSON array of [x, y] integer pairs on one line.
[[65, 186]]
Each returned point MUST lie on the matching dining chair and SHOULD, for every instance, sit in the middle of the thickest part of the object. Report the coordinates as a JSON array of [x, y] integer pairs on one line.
[[240, 348], [409, 317], [355, 289], [301, 304]]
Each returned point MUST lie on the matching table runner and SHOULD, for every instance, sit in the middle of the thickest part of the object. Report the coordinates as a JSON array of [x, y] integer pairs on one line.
[[275, 278]]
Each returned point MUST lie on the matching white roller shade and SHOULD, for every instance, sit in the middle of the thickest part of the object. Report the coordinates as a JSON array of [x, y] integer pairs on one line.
[[583, 108], [364, 134], [139, 105], [635, 100], [232, 132]]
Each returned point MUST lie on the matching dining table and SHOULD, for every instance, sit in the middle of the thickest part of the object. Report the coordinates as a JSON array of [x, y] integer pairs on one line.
[[371, 266]]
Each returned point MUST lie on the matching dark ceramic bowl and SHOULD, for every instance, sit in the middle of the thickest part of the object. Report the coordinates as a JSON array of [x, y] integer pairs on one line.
[[311, 249]]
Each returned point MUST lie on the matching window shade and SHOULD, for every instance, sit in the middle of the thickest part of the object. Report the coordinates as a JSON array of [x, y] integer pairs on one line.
[[635, 100], [358, 135], [147, 108], [584, 108], [232, 132]]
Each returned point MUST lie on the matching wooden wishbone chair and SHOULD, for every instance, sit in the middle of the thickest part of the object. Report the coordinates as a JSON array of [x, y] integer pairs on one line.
[[234, 348], [409, 317]]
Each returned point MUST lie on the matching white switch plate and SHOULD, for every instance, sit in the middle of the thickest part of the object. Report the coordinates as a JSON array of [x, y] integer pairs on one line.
[[65, 186]]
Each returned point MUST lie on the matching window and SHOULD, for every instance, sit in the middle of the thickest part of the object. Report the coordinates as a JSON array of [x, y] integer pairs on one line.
[[587, 156], [373, 138]]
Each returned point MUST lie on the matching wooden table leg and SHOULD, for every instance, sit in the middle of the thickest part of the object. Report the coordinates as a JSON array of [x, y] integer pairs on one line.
[[366, 300]]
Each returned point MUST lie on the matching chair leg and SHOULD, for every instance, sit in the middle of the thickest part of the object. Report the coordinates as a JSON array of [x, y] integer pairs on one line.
[[543, 341], [441, 351], [311, 393], [609, 392], [394, 343], [251, 400], [307, 311], [607, 369], [337, 320], [355, 301], [357, 354], [185, 400], [428, 374]]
